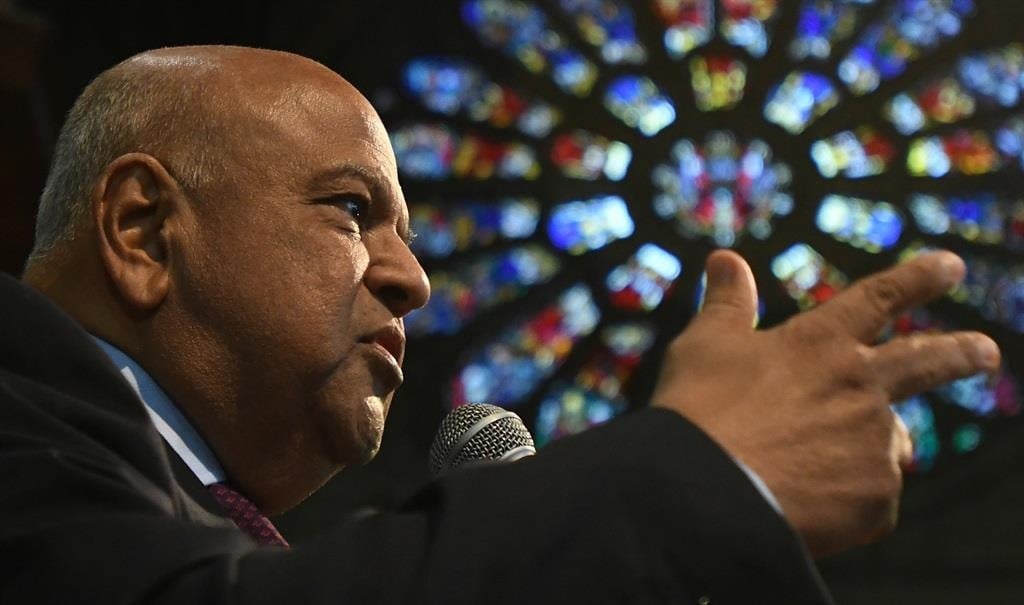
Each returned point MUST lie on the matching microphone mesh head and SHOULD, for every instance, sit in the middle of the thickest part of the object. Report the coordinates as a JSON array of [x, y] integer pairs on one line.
[[500, 434]]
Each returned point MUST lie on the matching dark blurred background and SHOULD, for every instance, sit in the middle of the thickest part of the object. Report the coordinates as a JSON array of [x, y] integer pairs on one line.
[[962, 538]]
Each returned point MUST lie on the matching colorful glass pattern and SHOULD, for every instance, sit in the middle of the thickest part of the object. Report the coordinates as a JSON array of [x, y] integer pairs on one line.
[[434, 152], [688, 24], [460, 294], [722, 189], [853, 154], [909, 29], [919, 419], [454, 87], [582, 226], [747, 23], [990, 79], [521, 31], [983, 218], [443, 229], [640, 104], [643, 281], [968, 152], [801, 98], [510, 367], [584, 155], [806, 276], [718, 82], [610, 26], [824, 23], [870, 226], [596, 394], [995, 289]]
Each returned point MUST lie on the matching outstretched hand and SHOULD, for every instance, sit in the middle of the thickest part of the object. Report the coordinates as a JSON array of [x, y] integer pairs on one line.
[[806, 404]]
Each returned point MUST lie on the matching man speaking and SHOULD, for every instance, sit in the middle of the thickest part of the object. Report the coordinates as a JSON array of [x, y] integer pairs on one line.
[[210, 327]]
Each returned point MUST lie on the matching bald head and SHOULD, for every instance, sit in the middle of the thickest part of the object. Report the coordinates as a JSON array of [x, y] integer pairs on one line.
[[182, 106]]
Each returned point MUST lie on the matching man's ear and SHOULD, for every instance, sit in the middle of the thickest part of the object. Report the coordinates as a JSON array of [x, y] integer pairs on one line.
[[132, 202]]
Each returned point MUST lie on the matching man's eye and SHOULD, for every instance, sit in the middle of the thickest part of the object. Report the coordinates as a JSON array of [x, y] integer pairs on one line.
[[356, 207]]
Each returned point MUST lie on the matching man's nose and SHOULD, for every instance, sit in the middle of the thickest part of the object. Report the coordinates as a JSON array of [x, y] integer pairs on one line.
[[396, 278]]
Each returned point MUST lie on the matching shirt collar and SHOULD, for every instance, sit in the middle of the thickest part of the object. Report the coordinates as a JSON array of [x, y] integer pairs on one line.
[[172, 425]]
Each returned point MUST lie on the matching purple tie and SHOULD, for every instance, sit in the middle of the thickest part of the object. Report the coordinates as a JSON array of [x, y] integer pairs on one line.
[[246, 516]]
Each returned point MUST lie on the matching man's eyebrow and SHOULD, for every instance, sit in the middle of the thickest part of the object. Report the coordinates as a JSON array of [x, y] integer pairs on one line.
[[378, 185], [369, 176]]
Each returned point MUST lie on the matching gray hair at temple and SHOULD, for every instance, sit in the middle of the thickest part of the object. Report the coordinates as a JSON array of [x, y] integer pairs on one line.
[[150, 103]]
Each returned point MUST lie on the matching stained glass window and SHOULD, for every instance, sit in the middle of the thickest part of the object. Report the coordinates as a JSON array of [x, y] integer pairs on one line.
[[908, 29], [521, 30], [747, 23], [688, 24], [799, 99], [450, 86], [642, 282], [870, 226], [722, 189], [595, 394], [624, 140], [511, 366], [435, 152], [983, 217], [442, 229], [610, 26], [584, 155], [639, 103], [719, 81], [824, 23], [585, 225], [459, 294], [853, 154]]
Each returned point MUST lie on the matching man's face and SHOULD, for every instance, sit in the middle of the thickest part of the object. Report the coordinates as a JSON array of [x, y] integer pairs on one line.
[[296, 267]]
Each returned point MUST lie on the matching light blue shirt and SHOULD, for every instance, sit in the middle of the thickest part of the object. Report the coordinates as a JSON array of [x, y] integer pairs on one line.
[[172, 425]]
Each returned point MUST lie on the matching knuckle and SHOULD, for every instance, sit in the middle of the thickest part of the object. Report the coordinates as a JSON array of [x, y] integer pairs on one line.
[[885, 294]]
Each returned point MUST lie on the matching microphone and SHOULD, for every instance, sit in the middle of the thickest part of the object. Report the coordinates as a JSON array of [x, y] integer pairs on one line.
[[479, 432]]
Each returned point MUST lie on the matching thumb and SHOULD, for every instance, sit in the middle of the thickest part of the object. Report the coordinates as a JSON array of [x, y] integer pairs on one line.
[[731, 294]]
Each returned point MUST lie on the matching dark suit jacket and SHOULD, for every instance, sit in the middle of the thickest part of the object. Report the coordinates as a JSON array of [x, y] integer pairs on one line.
[[646, 509]]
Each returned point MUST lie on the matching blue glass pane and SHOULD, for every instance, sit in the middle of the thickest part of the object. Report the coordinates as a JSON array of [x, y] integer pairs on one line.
[[822, 24], [983, 218], [640, 104], [642, 282], [452, 87], [722, 189], [582, 226], [460, 294], [870, 226], [908, 29], [442, 229], [746, 23], [511, 367], [584, 155], [610, 26], [688, 24], [521, 31], [853, 154], [801, 98], [425, 151]]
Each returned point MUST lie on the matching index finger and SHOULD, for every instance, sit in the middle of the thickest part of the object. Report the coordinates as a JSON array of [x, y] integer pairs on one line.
[[865, 308]]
